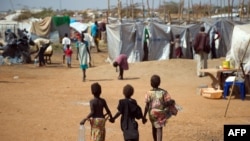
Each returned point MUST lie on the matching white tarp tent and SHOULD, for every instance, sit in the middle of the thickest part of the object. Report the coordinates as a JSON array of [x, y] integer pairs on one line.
[[128, 39], [121, 40], [78, 26], [159, 41], [240, 44]]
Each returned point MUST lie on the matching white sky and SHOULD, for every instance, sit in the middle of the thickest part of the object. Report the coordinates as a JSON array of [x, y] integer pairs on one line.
[[82, 4]]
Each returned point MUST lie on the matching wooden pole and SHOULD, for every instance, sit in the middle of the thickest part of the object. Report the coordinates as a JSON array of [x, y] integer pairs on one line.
[[108, 11], [148, 9], [228, 9], [165, 11], [179, 11], [132, 4], [210, 7], [188, 11], [248, 9], [242, 10], [127, 8], [143, 10], [235, 78]]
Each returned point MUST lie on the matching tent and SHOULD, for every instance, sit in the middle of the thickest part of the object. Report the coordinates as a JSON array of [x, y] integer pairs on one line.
[[240, 44], [187, 34], [52, 28], [127, 38], [78, 26]]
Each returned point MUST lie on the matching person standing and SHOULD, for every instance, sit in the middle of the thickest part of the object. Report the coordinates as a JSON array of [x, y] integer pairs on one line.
[[215, 36], [77, 37], [65, 41], [177, 46], [202, 49], [130, 111], [156, 101], [94, 34], [145, 45], [96, 116], [84, 55], [122, 62], [68, 54]]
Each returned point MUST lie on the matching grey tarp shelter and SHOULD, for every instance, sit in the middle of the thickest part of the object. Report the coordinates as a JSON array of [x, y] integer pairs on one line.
[[128, 38]]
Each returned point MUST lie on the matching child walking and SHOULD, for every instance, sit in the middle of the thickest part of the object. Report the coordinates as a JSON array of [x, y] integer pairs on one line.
[[68, 54], [130, 111], [96, 116], [156, 102], [84, 56]]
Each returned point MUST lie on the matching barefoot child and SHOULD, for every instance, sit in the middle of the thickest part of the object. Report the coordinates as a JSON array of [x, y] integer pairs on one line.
[[68, 54], [96, 115], [156, 101], [130, 111]]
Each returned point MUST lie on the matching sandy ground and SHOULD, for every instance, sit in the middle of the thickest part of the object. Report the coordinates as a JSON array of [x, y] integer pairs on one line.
[[47, 103]]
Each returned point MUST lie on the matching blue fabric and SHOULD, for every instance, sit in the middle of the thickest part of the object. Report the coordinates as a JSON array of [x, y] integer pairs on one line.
[[84, 66], [94, 30]]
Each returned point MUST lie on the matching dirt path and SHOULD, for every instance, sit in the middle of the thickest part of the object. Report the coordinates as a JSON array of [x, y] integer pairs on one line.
[[47, 103]]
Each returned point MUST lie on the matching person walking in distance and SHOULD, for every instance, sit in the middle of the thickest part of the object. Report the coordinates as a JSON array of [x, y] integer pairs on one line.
[[84, 55], [65, 41], [94, 34], [68, 54], [202, 49]]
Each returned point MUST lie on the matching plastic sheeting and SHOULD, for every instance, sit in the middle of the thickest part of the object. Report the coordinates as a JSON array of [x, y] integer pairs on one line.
[[128, 39], [41, 28], [187, 34], [78, 26], [240, 46], [159, 41]]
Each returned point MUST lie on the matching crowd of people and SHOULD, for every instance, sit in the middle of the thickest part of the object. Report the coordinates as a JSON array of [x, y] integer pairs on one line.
[[158, 106]]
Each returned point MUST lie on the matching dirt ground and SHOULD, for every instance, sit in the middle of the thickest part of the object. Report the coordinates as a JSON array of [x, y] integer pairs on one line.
[[47, 103]]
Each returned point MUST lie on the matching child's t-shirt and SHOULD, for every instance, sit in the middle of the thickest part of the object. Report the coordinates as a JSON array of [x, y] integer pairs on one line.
[[68, 52]]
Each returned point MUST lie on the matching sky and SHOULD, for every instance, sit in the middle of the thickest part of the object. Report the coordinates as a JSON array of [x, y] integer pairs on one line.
[[6, 5]]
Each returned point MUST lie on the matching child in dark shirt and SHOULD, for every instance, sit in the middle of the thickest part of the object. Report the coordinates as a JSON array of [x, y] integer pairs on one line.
[[130, 111], [96, 115]]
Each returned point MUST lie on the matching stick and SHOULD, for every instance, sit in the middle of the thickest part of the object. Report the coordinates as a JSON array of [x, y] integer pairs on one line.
[[235, 79]]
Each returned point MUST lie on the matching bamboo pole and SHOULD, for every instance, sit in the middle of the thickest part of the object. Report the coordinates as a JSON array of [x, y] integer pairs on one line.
[[148, 9], [235, 78]]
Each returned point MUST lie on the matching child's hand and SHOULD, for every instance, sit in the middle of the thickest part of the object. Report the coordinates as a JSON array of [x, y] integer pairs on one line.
[[83, 121], [144, 120], [112, 120]]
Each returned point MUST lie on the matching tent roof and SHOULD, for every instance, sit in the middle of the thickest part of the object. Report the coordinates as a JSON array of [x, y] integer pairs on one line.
[[78, 26]]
